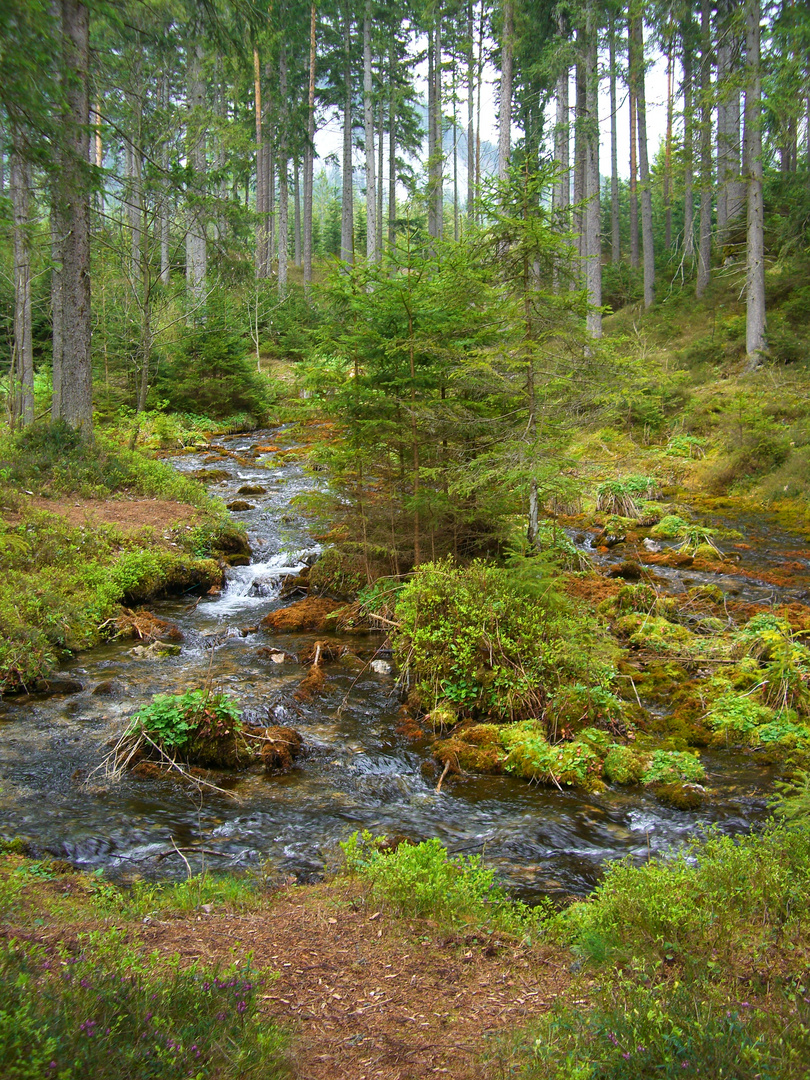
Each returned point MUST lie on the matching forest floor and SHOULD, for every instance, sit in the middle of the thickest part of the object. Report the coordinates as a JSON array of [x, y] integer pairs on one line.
[[364, 994], [130, 516]]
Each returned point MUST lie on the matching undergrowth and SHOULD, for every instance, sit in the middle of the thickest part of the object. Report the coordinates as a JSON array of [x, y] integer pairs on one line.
[[104, 1007]]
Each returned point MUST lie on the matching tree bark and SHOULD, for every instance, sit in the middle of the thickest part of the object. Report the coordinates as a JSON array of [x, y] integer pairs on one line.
[[668, 150], [165, 264], [22, 368], [347, 208], [196, 237], [392, 153], [632, 76], [261, 173], [470, 112], [644, 170], [309, 152], [368, 132], [72, 400], [296, 211], [615, 232], [283, 178], [580, 141], [688, 155], [593, 217], [705, 233], [755, 342], [380, 176], [505, 97]]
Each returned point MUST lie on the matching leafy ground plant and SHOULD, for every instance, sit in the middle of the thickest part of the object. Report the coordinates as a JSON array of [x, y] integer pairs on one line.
[[424, 880], [107, 1010]]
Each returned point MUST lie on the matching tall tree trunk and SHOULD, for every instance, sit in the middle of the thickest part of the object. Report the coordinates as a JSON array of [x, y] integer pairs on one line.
[[72, 400], [723, 52], [668, 149], [688, 155], [2, 156], [368, 132], [580, 142], [632, 75], [705, 232], [347, 209], [470, 112], [296, 211], [262, 268], [309, 152], [505, 98], [561, 193], [22, 383], [165, 263], [755, 342], [455, 159], [380, 177], [644, 170], [438, 163], [196, 234], [593, 230], [283, 178], [392, 152], [615, 232]]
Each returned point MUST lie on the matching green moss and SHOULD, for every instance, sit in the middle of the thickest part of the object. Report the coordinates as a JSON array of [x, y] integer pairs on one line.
[[624, 765], [653, 632], [670, 527], [672, 767]]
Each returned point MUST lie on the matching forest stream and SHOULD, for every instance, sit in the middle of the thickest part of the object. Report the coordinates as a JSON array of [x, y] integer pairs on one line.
[[358, 772]]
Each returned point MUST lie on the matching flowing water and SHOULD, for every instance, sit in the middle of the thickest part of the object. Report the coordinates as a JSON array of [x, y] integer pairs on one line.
[[358, 773]]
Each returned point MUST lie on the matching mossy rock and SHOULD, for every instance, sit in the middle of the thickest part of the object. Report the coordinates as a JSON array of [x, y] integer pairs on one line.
[[251, 489], [627, 570], [670, 527], [673, 767], [239, 506], [652, 632], [475, 749], [172, 574], [314, 613], [211, 476], [681, 796], [281, 747], [623, 765], [710, 594], [640, 597], [707, 553]]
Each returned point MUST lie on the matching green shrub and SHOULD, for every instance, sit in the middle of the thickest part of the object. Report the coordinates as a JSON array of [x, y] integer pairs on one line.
[[423, 880], [492, 642]]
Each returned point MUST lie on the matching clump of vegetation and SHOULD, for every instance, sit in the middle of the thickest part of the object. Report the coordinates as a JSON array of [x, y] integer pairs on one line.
[[619, 496], [699, 966], [670, 527], [491, 642], [198, 728], [104, 1008], [424, 880]]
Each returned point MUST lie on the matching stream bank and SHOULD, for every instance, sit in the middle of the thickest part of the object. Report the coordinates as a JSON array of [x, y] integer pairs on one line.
[[358, 773]]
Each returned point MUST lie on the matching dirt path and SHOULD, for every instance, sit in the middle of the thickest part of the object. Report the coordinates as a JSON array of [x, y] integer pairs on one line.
[[369, 997]]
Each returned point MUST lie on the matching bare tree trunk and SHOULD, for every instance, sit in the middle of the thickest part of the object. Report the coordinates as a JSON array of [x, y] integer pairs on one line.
[[261, 173], [755, 341], [438, 100], [455, 159], [632, 63], [2, 156], [478, 108], [580, 141], [723, 52], [296, 211], [392, 154], [347, 214], [593, 230], [668, 150], [615, 232], [283, 178], [688, 156], [23, 365], [309, 153], [505, 98], [196, 238], [165, 264], [705, 235], [644, 169], [368, 121], [73, 401], [380, 177], [470, 112]]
